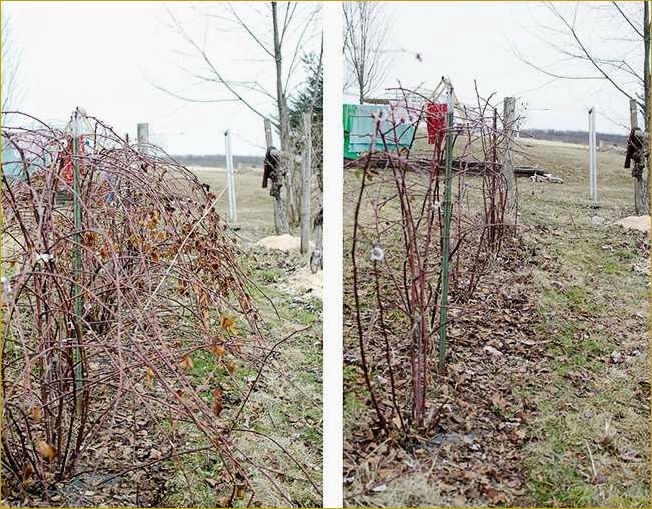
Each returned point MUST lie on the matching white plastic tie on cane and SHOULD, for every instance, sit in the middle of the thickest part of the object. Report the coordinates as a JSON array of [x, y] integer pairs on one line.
[[44, 257], [377, 253]]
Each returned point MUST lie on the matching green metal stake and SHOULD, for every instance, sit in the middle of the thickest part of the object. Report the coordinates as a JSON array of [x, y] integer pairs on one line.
[[77, 357], [445, 250]]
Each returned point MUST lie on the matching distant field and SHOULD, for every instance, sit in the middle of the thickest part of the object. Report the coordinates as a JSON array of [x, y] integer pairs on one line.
[[213, 160], [254, 205], [572, 136]]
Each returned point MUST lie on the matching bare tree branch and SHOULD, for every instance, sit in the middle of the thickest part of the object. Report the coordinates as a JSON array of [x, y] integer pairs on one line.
[[250, 32], [365, 35], [286, 31], [300, 41], [615, 70], [552, 74], [289, 16], [575, 47], [184, 97], [208, 62], [629, 22], [590, 58]]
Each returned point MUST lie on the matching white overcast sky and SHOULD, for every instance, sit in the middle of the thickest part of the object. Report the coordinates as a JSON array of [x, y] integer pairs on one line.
[[98, 55], [473, 40], [103, 56]]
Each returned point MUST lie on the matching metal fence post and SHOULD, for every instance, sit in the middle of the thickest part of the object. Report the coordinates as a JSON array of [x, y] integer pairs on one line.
[[593, 161], [230, 180], [445, 251], [77, 255]]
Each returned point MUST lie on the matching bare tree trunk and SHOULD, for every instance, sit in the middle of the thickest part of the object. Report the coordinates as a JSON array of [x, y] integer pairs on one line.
[[306, 181], [638, 182], [317, 258], [646, 63], [280, 93], [280, 218], [644, 182], [294, 186], [362, 65], [284, 121]]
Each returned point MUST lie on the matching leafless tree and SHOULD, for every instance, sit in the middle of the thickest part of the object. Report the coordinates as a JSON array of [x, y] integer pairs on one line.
[[279, 32], [628, 72], [10, 59], [365, 34]]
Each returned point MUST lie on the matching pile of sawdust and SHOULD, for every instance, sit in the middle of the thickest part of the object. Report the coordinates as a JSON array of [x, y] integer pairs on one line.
[[303, 281], [640, 223], [285, 242]]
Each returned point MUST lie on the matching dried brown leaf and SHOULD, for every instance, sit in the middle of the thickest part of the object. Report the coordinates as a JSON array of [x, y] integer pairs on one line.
[[45, 450]]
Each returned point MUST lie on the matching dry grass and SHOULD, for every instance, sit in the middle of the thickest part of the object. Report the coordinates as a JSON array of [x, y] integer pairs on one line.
[[589, 446], [254, 205], [414, 491]]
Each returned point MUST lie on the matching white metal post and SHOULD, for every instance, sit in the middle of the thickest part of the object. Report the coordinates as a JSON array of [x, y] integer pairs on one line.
[[590, 159], [593, 160], [230, 180], [596, 203]]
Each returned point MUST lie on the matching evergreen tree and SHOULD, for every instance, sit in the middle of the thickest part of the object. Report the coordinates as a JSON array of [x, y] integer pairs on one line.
[[310, 96]]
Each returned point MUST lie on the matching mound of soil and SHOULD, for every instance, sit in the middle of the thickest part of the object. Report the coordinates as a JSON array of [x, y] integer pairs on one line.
[[284, 242], [640, 223], [303, 281]]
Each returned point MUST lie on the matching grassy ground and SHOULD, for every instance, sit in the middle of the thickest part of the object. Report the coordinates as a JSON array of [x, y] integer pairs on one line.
[[581, 394], [589, 445], [254, 205], [287, 406]]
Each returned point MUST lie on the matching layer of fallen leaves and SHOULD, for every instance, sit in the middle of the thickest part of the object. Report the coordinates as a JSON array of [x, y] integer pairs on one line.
[[101, 479], [473, 449]]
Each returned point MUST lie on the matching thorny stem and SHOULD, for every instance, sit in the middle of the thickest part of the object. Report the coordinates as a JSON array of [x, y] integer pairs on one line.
[[411, 216], [356, 295]]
